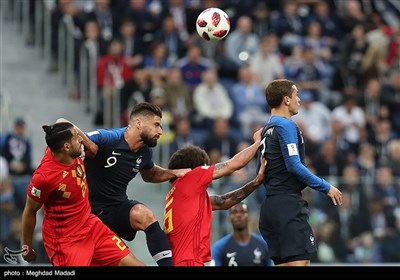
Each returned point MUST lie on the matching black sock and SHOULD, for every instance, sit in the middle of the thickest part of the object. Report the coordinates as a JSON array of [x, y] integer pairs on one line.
[[158, 245]]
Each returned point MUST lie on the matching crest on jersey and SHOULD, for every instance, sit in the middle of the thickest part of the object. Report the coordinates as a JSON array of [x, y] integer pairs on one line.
[[79, 171]]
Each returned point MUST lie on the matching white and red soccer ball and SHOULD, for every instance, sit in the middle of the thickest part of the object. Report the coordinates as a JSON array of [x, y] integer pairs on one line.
[[213, 24]]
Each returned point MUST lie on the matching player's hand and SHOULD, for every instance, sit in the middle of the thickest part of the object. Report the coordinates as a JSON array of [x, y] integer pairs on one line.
[[181, 172], [335, 195], [257, 135], [30, 255]]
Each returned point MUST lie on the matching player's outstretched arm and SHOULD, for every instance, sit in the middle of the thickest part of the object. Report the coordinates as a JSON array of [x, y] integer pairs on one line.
[[239, 160], [28, 227], [157, 174], [90, 147], [227, 200]]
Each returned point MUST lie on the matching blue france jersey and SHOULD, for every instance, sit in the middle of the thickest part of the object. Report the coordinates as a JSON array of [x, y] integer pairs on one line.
[[227, 252], [283, 148], [114, 166]]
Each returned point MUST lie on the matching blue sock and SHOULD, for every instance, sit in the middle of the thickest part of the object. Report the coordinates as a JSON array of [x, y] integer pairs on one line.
[[158, 245]]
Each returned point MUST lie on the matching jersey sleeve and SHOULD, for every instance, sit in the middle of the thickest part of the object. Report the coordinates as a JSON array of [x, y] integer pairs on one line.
[[288, 140], [149, 163], [105, 136], [38, 189]]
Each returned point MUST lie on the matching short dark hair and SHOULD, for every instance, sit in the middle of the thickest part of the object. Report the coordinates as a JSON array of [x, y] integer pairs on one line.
[[188, 157], [57, 134], [277, 90], [145, 109]]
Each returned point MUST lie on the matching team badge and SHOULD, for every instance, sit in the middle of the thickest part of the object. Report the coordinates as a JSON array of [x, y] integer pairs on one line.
[[79, 171]]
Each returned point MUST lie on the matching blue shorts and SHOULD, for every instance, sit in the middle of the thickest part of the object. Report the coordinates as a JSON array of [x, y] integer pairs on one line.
[[284, 225], [117, 219]]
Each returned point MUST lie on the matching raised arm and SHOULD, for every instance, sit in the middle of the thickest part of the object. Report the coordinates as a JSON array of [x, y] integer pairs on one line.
[[227, 200], [239, 160], [90, 147], [157, 174]]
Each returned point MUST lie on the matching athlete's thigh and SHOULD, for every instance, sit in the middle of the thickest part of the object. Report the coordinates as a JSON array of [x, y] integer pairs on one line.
[[120, 223], [110, 249], [76, 253]]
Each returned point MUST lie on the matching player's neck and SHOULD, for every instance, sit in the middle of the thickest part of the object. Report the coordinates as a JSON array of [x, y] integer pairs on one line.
[[282, 112], [242, 236], [63, 159], [134, 143]]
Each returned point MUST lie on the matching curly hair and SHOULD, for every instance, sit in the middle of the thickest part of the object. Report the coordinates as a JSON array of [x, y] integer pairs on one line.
[[188, 157]]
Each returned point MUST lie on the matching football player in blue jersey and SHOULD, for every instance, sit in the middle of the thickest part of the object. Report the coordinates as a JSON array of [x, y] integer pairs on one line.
[[241, 247], [121, 154], [284, 213]]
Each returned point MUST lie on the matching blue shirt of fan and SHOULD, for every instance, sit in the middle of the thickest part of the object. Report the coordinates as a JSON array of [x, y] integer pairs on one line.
[[114, 166], [284, 149]]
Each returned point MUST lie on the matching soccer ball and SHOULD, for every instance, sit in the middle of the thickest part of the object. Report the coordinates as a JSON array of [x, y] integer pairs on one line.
[[213, 24]]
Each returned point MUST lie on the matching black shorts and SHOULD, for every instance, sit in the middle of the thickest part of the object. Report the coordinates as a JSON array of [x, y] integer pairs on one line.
[[117, 219], [284, 225]]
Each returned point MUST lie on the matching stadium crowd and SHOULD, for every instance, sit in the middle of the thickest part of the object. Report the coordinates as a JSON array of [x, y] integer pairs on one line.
[[342, 55]]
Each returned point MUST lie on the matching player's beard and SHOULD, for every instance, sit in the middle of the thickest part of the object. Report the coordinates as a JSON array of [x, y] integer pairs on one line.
[[151, 142]]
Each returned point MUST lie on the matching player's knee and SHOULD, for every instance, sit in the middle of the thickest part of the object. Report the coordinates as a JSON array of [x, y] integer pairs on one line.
[[141, 216]]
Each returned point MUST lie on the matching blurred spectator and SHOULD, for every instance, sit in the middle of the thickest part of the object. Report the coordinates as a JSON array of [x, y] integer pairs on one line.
[[241, 45], [386, 187], [16, 148], [180, 14], [316, 116], [331, 30], [266, 64], [192, 66], [326, 248], [310, 76], [351, 15], [383, 135], [113, 72], [367, 250], [183, 135], [211, 100], [248, 101], [328, 163], [13, 239], [67, 11], [391, 97], [8, 208], [261, 19], [158, 98], [221, 140], [147, 20], [156, 62], [347, 76], [133, 46], [393, 160], [366, 165], [179, 94], [393, 52], [288, 26], [169, 35], [352, 118], [134, 91], [390, 244], [105, 18]]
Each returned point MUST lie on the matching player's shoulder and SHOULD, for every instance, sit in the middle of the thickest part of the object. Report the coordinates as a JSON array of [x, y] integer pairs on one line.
[[258, 238], [222, 241]]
